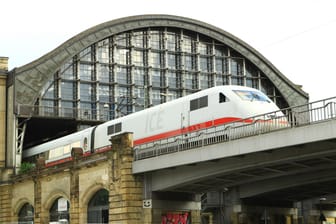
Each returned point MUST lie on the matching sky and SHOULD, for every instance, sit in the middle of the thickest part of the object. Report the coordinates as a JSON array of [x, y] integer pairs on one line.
[[297, 36]]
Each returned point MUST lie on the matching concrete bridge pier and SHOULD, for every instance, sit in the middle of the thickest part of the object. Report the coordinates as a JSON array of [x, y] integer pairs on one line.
[[315, 211], [165, 207], [135, 192], [232, 206], [170, 211], [227, 207]]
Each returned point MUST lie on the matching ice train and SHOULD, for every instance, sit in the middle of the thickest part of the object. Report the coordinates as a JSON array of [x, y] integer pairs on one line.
[[207, 108]]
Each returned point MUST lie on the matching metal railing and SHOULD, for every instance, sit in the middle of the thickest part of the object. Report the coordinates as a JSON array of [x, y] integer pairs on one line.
[[63, 112], [306, 114]]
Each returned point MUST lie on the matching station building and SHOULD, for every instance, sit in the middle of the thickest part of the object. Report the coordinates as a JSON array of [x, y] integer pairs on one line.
[[108, 71]]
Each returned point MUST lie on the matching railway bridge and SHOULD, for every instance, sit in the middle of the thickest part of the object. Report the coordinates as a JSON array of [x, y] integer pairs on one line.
[[252, 169], [280, 170], [247, 172]]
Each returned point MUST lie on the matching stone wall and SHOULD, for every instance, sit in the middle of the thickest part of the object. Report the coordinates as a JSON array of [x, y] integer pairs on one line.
[[5, 203], [78, 180]]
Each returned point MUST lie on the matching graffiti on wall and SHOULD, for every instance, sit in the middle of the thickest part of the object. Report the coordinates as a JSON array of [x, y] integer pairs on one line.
[[176, 218]]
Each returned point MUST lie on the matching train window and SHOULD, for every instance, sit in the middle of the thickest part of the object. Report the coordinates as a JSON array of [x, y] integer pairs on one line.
[[85, 144], [76, 144], [112, 129], [222, 98], [251, 95], [117, 128], [66, 149], [56, 152], [194, 104], [199, 103], [51, 153], [203, 101]]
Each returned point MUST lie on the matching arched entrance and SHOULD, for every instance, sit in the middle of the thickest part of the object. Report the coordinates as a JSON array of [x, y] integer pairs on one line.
[[98, 207], [59, 211], [26, 214]]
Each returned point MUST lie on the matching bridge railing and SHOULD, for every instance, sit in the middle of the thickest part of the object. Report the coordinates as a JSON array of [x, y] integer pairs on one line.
[[306, 114]]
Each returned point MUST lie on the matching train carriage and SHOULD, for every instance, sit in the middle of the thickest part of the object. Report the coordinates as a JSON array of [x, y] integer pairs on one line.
[[193, 113]]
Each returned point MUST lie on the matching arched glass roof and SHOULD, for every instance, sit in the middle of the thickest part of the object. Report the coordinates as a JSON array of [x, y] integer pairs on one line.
[[137, 69], [127, 65]]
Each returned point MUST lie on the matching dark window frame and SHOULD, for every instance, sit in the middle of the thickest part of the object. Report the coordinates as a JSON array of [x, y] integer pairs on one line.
[[222, 98], [115, 128], [199, 103]]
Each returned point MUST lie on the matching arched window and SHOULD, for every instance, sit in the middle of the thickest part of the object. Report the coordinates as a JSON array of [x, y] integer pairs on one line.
[[98, 207], [26, 214], [59, 211]]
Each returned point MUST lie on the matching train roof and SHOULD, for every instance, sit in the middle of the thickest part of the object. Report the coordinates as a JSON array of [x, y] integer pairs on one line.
[[209, 91]]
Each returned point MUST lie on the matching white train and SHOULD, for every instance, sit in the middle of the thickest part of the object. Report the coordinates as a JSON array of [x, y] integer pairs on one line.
[[207, 108]]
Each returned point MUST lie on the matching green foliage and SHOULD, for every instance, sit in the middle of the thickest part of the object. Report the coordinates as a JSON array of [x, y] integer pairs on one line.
[[26, 167]]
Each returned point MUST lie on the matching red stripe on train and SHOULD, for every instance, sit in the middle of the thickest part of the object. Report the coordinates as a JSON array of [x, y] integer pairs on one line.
[[191, 128], [56, 162]]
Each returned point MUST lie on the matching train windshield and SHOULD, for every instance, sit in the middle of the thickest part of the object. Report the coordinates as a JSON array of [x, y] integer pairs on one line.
[[251, 95]]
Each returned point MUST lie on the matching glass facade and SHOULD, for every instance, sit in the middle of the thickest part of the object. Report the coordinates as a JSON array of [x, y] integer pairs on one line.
[[131, 71]]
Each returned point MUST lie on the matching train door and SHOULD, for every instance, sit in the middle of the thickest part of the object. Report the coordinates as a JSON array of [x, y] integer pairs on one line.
[[185, 120]]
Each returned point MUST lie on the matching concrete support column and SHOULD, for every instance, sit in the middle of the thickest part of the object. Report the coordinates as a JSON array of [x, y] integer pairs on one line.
[[309, 214], [125, 190], [208, 216], [232, 206], [196, 216]]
